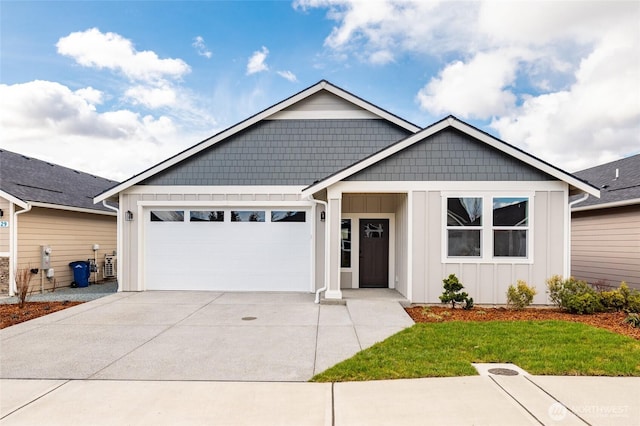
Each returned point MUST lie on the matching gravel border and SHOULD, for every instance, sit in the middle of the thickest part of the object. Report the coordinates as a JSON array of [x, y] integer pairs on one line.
[[80, 294]]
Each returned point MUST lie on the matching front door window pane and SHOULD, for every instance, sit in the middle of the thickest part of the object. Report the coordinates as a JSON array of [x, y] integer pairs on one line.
[[345, 243]]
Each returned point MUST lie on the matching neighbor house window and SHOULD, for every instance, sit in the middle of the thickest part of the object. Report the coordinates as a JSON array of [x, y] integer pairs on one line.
[[464, 227], [206, 216], [510, 226], [167, 216], [345, 243], [283, 216], [247, 216]]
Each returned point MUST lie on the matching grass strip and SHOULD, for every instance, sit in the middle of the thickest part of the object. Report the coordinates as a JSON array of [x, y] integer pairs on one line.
[[448, 349]]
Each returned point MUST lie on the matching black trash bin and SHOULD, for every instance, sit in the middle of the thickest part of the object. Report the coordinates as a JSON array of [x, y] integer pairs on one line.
[[81, 273]]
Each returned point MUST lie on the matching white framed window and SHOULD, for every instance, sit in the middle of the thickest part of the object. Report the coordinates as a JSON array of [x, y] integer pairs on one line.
[[464, 227], [487, 227], [510, 220]]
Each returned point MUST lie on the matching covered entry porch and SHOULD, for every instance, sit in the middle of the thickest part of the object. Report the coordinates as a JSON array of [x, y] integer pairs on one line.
[[368, 240]]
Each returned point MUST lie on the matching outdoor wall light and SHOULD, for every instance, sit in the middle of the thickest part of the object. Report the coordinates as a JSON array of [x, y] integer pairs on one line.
[[1, 213], [322, 216], [128, 216]]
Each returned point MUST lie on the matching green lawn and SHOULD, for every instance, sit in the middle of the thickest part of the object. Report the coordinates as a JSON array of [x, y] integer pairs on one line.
[[448, 349]]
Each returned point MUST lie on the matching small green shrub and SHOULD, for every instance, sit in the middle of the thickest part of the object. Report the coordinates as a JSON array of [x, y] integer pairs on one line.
[[612, 300], [453, 293], [622, 298], [573, 295], [468, 303], [521, 295], [633, 319]]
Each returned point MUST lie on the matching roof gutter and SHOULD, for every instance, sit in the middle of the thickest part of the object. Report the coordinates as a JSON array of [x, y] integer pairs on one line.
[[608, 205], [13, 262], [326, 250]]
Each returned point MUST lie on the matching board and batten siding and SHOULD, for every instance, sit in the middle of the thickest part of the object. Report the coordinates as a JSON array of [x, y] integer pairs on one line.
[[487, 281], [130, 201], [605, 246], [71, 236]]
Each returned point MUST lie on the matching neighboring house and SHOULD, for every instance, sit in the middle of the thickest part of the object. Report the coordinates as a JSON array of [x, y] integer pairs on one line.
[[45, 205], [606, 231], [326, 189]]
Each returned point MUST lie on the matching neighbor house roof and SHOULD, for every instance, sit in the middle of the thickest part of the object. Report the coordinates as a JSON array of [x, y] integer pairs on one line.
[[28, 181], [277, 110], [619, 183], [453, 122]]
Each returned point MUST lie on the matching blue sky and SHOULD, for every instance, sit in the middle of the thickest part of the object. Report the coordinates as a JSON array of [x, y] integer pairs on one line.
[[114, 87]]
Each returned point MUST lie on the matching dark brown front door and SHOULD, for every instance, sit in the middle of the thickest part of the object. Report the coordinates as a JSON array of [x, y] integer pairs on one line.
[[374, 253]]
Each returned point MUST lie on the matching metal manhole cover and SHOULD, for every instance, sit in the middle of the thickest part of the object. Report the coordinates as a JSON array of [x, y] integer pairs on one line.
[[253, 318], [503, 372]]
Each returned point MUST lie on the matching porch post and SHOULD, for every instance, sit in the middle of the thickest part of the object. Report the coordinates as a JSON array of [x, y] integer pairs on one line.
[[333, 222]]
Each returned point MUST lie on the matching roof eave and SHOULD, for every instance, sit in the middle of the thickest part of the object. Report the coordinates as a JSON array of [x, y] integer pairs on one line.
[[13, 199], [72, 208], [613, 204]]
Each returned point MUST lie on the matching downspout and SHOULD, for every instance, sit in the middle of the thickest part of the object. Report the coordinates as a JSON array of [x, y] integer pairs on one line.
[[567, 268], [326, 249], [118, 240], [13, 267]]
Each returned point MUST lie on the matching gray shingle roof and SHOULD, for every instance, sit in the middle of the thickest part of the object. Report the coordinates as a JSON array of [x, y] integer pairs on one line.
[[625, 187], [32, 180]]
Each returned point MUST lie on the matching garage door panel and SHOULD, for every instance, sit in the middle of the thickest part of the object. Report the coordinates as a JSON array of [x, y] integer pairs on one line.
[[232, 256]]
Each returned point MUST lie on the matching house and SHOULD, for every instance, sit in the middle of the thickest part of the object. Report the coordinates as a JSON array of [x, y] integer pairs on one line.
[[325, 191], [605, 232], [47, 207]]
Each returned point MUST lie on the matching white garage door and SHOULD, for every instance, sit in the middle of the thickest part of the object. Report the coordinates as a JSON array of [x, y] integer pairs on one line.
[[242, 249]]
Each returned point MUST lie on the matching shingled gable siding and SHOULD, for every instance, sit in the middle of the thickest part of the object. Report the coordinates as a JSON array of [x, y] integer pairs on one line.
[[450, 156], [283, 152]]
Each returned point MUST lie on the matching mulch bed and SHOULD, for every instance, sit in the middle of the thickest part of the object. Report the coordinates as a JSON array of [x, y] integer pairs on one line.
[[13, 314], [613, 321]]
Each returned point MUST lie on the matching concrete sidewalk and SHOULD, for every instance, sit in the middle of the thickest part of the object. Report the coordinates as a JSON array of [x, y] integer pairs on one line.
[[475, 400]]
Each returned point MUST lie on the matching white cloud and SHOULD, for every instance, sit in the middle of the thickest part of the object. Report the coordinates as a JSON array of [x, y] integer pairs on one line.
[[288, 75], [151, 97], [473, 90], [375, 31], [94, 49], [201, 47], [560, 79], [596, 119], [256, 62], [90, 95], [47, 120]]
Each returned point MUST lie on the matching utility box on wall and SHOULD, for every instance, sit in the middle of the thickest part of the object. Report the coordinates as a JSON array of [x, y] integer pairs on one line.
[[45, 262]]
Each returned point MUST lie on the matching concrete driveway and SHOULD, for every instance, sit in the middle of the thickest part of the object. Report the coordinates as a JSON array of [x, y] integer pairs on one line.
[[204, 336]]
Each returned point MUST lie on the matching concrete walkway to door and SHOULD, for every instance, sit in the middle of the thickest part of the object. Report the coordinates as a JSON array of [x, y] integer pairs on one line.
[[204, 336]]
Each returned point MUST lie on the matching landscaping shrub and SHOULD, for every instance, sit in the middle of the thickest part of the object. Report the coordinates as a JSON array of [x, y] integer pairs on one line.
[[573, 295], [453, 293], [622, 298], [521, 295], [633, 319], [23, 278]]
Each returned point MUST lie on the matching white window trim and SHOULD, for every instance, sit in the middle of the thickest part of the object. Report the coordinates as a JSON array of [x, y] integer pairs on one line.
[[486, 230]]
